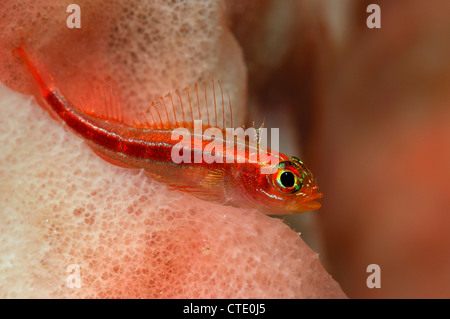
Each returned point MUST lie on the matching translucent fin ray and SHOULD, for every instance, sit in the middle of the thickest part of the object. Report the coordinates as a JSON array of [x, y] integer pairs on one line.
[[167, 111], [103, 101]]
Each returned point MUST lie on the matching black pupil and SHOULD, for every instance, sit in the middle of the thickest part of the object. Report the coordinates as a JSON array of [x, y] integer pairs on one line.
[[287, 179]]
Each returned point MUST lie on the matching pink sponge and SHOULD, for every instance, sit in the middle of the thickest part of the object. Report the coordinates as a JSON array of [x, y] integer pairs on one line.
[[129, 235], [148, 48]]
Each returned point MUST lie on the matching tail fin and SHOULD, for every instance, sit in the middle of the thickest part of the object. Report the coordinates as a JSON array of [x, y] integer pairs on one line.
[[42, 78], [44, 82]]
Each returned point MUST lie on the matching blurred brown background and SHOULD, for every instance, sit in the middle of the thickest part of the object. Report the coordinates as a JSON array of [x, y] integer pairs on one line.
[[368, 110]]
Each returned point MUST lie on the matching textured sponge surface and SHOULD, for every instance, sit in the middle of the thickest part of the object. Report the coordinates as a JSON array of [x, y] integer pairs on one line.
[[148, 48], [130, 236]]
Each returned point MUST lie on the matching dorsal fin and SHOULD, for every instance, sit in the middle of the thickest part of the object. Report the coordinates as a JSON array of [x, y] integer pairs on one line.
[[198, 102], [223, 105], [161, 117], [103, 101], [206, 101], [231, 109]]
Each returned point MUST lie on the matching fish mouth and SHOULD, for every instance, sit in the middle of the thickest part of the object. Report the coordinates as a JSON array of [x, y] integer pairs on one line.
[[312, 204]]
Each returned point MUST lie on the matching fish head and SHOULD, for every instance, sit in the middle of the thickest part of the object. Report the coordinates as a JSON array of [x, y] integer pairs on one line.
[[289, 188]]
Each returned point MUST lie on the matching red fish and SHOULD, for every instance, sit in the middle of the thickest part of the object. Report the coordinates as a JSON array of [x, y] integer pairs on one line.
[[290, 188]]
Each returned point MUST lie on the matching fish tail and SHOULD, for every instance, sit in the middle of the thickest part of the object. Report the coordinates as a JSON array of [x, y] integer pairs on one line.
[[47, 95], [43, 79]]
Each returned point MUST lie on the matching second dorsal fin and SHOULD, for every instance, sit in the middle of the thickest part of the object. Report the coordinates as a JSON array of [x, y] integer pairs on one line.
[[180, 108]]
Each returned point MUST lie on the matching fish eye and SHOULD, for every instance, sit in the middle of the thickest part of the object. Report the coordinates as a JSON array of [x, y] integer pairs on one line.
[[286, 180]]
